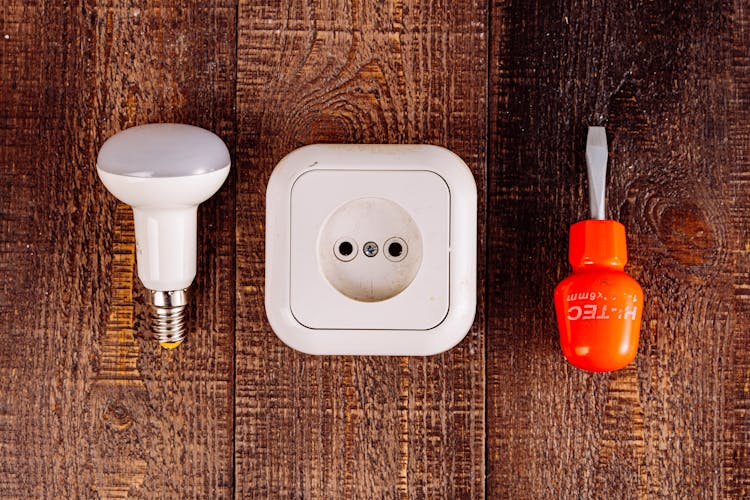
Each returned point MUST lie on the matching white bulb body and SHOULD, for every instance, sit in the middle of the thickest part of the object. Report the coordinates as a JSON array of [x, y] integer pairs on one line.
[[166, 246], [165, 212]]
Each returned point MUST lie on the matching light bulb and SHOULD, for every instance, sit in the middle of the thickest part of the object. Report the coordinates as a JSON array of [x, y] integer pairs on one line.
[[164, 171]]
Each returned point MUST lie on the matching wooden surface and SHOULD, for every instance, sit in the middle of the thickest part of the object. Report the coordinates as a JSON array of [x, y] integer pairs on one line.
[[89, 408], [670, 81], [343, 427]]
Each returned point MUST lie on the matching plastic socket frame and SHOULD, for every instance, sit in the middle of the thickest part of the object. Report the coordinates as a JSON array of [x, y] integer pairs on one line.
[[335, 282]]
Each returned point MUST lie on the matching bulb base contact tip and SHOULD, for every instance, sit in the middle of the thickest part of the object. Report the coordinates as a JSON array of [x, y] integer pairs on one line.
[[169, 345], [167, 316]]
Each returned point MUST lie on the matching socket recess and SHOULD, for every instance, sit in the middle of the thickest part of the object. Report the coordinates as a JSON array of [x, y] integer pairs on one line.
[[371, 249], [376, 273]]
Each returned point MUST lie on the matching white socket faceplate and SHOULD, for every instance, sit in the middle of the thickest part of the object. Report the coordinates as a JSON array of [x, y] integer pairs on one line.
[[369, 297]]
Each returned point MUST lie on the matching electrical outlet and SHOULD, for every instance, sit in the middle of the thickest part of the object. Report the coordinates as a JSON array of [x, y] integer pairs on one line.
[[371, 249]]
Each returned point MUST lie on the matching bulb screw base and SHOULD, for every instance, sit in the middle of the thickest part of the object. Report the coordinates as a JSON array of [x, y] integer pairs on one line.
[[167, 316]]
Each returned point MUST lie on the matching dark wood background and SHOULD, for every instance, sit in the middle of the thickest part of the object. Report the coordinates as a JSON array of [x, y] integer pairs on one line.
[[89, 408]]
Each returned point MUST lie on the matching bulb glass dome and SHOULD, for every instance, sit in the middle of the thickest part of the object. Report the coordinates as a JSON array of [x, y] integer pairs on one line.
[[163, 150]]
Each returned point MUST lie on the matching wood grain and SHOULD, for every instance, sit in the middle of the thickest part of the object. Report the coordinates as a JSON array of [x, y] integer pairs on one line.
[[91, 409], [735, 465], [370, 72], [669, 80], [87, 407]]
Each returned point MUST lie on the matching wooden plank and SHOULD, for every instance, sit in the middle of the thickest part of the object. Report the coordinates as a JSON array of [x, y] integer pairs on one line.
[[370, 72], [670, 83], [87, 407], [735, 472]]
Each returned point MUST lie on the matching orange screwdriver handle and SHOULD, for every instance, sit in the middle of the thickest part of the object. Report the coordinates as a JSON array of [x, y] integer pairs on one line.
[[599, 306]]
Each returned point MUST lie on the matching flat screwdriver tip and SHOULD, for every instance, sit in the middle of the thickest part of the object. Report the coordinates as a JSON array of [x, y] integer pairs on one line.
[[596, 166]]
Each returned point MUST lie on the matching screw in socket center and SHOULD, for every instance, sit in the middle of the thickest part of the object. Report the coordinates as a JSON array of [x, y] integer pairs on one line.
[[370, 249]]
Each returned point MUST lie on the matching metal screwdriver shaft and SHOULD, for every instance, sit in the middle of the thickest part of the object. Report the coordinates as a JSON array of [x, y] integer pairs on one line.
[[596, 165]]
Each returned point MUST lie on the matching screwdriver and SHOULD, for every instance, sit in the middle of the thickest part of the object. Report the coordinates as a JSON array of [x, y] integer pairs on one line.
[[598, 306]]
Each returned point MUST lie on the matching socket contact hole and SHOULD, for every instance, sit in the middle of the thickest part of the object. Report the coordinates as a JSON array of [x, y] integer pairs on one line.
[[345, 250], [396, 249]]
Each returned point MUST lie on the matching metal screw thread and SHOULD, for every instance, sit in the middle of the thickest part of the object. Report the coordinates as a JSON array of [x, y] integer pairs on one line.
[[168, 322]]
